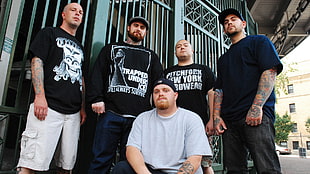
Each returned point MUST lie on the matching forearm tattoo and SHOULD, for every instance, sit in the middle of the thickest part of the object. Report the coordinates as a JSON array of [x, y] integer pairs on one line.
[[37, 75], [186, 168], [265, 86], [218, 97]]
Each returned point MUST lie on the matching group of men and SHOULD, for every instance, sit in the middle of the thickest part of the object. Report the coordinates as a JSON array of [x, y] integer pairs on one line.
[[128, 80]]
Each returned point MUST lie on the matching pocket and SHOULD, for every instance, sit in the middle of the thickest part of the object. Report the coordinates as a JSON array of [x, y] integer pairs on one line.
[[28, 143]]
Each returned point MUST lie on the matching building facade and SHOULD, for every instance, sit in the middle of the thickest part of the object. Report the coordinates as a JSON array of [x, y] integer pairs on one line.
[[296, 104]]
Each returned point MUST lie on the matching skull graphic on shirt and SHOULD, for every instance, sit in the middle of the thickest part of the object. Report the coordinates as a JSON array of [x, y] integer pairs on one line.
[[71, 64]]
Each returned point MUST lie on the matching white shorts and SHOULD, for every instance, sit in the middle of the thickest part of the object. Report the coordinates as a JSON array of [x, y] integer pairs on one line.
[[40, 139]]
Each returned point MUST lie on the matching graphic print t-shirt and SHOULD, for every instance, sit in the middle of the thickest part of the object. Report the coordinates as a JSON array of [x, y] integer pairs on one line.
[[193, 83], [123, 77], [62, 57]]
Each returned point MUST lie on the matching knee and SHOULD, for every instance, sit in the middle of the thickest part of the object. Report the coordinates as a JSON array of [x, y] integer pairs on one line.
[[122, 167]]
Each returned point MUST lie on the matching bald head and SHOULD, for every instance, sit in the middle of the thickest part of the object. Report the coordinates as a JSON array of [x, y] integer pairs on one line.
[[184, 52], [72, 17]]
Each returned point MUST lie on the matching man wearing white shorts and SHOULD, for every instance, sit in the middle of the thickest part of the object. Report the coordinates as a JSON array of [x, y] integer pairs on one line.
[[57, 110]]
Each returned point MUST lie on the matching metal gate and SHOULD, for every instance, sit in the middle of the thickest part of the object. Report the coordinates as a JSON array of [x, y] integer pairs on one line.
[[105, 21]]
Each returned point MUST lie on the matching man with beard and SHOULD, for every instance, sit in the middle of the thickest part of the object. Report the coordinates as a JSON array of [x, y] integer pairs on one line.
[[245, 99], [166, 139], [119, 90]]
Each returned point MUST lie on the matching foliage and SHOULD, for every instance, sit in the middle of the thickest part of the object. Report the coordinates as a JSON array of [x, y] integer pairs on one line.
[[283, 126], [308, 125], [282, 79]]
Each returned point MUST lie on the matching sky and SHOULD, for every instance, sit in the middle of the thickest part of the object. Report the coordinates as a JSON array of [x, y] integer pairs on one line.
[[300, 53]]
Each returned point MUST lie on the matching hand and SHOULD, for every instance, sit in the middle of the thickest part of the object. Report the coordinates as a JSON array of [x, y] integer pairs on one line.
[[210, 128], [219, 125], [254, 116], [83, 115], [40, 107], [98, 107]]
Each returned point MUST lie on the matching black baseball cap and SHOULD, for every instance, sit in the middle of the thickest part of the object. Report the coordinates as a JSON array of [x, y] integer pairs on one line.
[[165, 82], [139, 19], [227, 12]]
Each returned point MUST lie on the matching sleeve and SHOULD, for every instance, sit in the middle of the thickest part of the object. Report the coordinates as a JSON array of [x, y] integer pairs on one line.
[[210, 78], [40, 45], [157, 69], [135, 135], [98, 81], [267, 55], [196, 139], [218, 81]]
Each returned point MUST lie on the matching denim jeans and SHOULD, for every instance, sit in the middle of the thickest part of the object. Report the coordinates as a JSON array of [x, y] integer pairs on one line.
[[240, 138], [124, 167], [112, 130]]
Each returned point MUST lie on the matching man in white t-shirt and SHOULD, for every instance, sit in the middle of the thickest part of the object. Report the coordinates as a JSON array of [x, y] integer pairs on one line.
[[166, 139]]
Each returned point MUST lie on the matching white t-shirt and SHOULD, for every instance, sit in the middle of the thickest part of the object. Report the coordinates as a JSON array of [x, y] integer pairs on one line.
[[166, 142]]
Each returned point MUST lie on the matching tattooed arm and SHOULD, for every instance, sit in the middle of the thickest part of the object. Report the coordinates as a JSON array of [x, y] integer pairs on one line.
[[191, 165], [40, 103], [219, 124], [265, 87]]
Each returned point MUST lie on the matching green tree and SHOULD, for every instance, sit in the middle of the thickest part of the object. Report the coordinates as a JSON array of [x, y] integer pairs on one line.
[[308, 125], [282, 79], [283, 126]]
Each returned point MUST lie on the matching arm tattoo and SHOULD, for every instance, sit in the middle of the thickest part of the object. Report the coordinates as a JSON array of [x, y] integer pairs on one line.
[[37, 75], [218, 97], [186, 168], [265, 86]]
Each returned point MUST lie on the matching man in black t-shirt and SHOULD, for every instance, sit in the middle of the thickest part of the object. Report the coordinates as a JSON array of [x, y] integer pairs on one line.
[[244, 98], [119, 90], [57, 110], [194, 83]]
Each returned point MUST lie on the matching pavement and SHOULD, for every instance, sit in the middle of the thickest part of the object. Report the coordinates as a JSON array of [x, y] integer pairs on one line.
[[293, 164]]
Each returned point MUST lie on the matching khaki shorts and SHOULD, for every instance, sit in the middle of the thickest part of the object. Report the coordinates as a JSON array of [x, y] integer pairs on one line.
[[40, 139]]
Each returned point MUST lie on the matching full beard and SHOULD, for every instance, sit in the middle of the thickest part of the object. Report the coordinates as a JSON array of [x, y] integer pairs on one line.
[[135, 38]]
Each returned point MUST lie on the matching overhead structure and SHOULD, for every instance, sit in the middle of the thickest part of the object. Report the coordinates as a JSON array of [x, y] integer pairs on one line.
[[285, 22]]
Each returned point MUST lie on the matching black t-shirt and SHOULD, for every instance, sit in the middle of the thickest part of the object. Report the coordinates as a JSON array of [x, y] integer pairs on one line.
[[239, 72], [62, 56], [193, 83], [123, 77]]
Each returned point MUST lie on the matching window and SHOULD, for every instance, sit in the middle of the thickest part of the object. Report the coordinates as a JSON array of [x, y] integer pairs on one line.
[[290, 89], [294, 130], [295, 144], [308, 145], [283, 143], [292, 108]]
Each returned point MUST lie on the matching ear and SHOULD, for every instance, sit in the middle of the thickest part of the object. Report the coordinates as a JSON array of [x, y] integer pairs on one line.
[[176, 94], [128, 27], [244, 24]]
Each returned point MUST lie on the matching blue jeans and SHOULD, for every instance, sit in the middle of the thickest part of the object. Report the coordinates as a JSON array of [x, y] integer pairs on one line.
[[124, 167], [240, 138], [112, 130]]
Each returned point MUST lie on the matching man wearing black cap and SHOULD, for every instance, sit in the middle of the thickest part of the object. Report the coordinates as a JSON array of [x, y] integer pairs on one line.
[[119, 90], [166, 139], [244, 98]]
